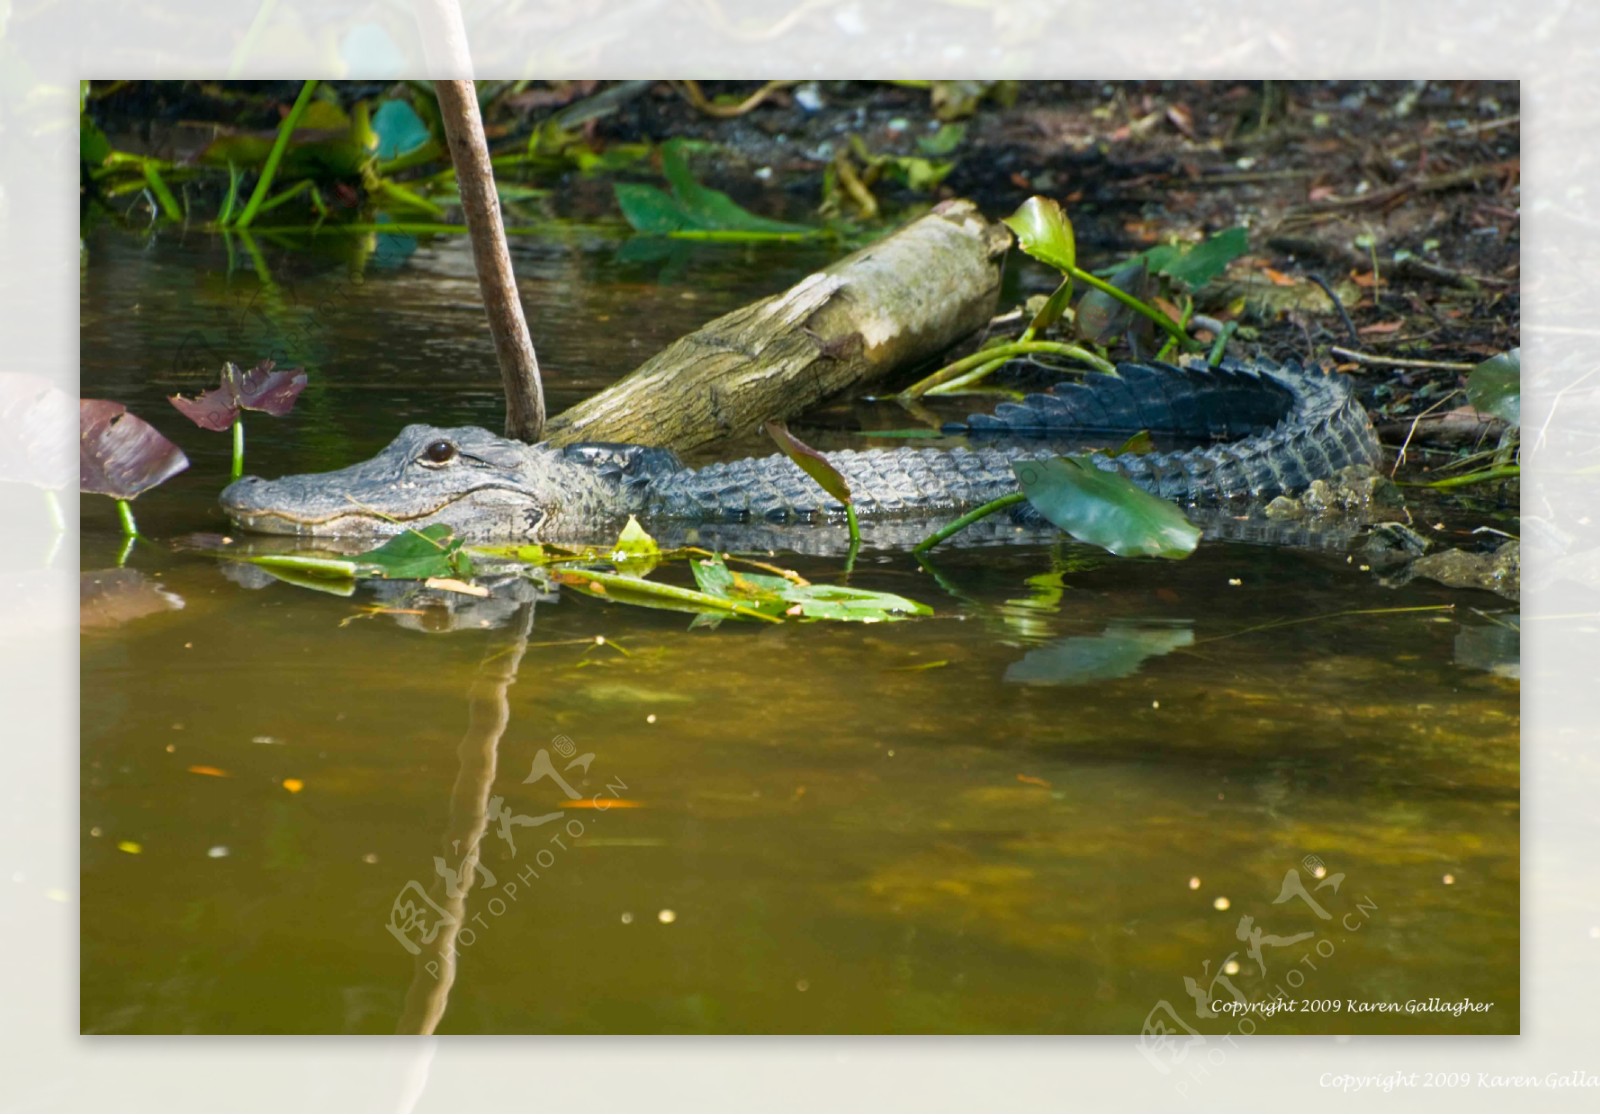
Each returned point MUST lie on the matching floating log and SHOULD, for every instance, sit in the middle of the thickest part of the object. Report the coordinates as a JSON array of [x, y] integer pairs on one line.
[[898, 303]]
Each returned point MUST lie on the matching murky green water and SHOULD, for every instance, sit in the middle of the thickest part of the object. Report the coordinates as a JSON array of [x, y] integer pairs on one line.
[[1039, 811]]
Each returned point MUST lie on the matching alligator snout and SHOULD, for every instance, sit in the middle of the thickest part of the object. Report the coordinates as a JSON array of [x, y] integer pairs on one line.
[[235, 497]]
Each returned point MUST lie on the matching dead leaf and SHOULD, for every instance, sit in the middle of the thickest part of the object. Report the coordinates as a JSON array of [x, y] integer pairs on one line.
[[1277, 278], [1381, 327]]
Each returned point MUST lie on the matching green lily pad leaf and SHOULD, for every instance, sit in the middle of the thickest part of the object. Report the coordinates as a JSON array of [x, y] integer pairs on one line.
[[1203, 262], [812, 463], [1495, 386], [399, 129], [693, 208], [1101, 318], [635, 552], [1079, 659], [120, 454], [416, 555], [1045, 233], [1106, 509]]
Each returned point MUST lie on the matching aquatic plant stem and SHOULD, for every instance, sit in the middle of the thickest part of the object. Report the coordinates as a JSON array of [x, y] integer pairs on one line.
[[238, 447], [275, 156], [1504, 472], [997, 355], [125, 513], [967, 520], [1134, 304]]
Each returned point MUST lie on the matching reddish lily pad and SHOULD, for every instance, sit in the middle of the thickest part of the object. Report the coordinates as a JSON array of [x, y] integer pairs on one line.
[[120, 454], [263, 388]]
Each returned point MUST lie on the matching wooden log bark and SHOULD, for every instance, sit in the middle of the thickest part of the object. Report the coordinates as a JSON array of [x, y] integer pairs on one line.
[[895, 304]]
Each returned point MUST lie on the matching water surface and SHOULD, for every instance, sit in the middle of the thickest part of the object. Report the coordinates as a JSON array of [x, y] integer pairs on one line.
[[1039, 810]]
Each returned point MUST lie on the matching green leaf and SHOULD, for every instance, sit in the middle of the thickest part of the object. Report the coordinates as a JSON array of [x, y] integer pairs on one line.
[[857, 605], [1044, 232], [416, 555], [1495, 386], [1137, 445], [635, 552], [648, 209], [93, 146], [1205, 261], [812, 463], [692, 207], [779, 596], [399, 129], [654, 594], [1106, 509], [944, 141]]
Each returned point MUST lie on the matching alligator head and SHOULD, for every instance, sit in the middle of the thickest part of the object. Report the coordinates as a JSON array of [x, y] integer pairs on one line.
[[482, 485]]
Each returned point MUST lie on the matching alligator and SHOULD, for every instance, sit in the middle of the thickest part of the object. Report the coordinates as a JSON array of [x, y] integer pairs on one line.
[[1284, 426]]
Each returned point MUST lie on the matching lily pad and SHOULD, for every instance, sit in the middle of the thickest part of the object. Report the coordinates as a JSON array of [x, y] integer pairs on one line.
[[1045, 233], [1495, 386], [264, 388], [1105, 508], [120, 454]]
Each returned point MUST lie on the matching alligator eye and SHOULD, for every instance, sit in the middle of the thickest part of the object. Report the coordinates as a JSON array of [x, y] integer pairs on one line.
[[440, 452]]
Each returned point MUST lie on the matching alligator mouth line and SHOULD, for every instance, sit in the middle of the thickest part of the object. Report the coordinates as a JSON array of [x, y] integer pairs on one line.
[[275, 521]]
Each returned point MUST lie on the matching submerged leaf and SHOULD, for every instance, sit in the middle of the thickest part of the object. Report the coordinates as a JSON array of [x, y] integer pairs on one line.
[[1495, 386], [1045, 233], [812, 463], [120, 454], [1105, 508]]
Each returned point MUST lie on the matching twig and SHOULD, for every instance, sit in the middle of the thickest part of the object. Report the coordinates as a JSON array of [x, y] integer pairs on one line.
[[1400, 457], [1350, 326], [519, 367], [1400, 361]]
